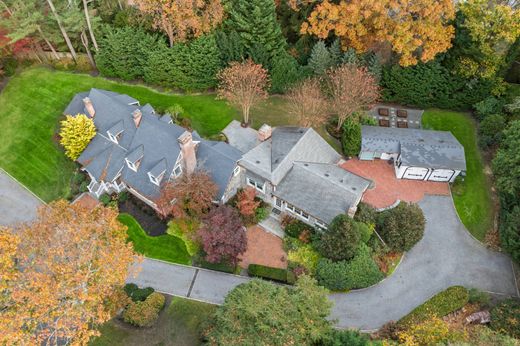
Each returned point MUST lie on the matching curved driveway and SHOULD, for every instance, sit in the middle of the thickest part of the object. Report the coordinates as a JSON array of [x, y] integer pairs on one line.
[[446, 256]]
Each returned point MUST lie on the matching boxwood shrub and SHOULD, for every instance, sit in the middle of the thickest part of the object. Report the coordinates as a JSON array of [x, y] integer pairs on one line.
[[441, 304], [266, 272], [505, 317], [137, 294], [221, 267], [145, 313]]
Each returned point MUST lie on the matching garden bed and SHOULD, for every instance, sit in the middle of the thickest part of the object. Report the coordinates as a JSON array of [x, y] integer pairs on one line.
[[145, 215]]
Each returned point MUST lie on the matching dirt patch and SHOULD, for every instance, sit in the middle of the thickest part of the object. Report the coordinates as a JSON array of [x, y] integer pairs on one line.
[[145, 215]]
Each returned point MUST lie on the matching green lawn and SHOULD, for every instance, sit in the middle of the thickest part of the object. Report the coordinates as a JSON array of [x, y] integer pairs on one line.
[[164, 247], [31, 106], [180, 324], [473, 196]]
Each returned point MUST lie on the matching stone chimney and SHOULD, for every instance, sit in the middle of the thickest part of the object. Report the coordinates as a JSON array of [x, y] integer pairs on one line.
[[188, 152], [137, 115], [264, 132], [89, 106]]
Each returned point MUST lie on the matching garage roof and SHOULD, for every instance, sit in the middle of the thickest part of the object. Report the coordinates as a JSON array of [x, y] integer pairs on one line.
[[423, 148]]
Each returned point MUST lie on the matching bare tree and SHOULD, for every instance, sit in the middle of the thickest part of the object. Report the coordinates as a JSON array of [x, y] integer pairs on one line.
[[352, 89], [307, 103], [87, 17], [63, 31], [243, 84]]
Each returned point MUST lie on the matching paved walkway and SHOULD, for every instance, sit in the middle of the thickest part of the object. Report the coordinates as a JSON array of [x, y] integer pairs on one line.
[[388, 189], [263, 248], [17, 204]]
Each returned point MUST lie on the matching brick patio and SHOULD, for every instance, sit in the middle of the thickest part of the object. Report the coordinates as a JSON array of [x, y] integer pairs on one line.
[[388, 189], [87, 201], [263, 248]]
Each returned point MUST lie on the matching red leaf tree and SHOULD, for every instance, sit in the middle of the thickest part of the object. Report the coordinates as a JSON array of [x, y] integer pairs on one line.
[[188, 196], [223, 236], [243, 84], [246, 202], [352, 90]]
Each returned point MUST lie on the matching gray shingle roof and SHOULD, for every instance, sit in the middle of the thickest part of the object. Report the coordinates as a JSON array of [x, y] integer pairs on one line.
[[242, 138], [322, 190], [154, 142], [273, 158], [424, 148]]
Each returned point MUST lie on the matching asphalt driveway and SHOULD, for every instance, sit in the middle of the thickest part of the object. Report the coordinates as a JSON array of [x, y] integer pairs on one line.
[[17, 204], [446, 256]]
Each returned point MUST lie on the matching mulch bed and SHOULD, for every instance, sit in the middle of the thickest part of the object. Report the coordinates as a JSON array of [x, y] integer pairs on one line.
[[145, 215]]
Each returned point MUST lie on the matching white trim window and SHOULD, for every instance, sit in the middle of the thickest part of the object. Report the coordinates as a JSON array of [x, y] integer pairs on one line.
[[131, 165], [256, 185], [113, 138], [177, 171], [320, 224], [236, 171], [155, 180], [296, 211]]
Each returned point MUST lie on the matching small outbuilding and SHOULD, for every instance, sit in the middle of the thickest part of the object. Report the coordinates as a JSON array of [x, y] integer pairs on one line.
[[416, 154]]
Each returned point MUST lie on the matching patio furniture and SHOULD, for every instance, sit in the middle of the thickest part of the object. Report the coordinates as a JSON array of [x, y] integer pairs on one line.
[[383, 111], [384, 122], [402, 124], [402, 113]]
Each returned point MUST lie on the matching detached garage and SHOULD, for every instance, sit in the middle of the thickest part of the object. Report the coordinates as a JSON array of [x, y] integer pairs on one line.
[[417, 154]]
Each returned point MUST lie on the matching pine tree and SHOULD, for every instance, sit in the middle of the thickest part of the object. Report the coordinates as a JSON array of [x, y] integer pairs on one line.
[[350, 57], [230, 46], [320, 59], [256, 24], [335, 52], [373, 65]]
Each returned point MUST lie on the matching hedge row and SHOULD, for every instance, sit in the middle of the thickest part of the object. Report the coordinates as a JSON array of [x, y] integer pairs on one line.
[[221, 267], [276, 274], [441, 304]]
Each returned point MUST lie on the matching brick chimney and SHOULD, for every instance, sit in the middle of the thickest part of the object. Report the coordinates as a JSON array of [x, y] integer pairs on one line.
[[188, 152], [137, 115], [89, 106], [264, 132]]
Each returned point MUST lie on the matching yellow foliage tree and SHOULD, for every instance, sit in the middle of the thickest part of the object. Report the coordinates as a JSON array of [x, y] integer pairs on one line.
[[416, 30], [434, 331], [62, 275], [76, 132]]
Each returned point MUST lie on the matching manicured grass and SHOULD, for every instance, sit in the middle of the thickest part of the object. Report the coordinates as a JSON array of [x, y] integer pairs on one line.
[[473, 196], [180, 324], [31, 106], [164, 247]]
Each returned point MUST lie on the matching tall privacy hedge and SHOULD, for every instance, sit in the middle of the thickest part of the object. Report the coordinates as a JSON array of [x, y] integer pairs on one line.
[[131, 53]]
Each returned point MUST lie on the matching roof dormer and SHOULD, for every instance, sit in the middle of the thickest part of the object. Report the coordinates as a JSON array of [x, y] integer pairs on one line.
[[157, 172], [115, 131], [133, 160]]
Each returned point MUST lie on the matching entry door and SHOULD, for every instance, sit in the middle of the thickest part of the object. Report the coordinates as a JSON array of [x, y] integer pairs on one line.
[[278, 203]]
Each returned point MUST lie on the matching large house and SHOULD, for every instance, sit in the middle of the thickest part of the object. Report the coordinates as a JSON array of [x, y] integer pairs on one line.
[[136, 150], [296, 171], [417, 154]]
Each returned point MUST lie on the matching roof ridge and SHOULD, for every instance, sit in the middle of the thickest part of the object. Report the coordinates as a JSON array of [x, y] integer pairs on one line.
[[292, 149], [324, 178]]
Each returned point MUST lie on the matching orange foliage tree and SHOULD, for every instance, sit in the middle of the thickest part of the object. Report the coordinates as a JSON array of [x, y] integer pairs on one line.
[[307, 103], [352, 90], [62, 275], [191, 195], [243, 84], [246, 202], [180, 19], [416, 30]]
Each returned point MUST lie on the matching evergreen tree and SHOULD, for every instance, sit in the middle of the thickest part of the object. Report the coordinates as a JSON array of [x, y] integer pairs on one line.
[[320, 59], [350, 57], [230, 46], [203, 63], [284, 73], [373, 65], [335, 52], [256, 24], [259, 54]]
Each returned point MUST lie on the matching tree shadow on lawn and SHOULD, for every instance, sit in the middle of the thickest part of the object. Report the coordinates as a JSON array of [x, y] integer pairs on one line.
[[145, 215]]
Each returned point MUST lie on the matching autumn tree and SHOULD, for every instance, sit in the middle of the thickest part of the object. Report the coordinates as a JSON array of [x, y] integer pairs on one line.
[[415, 30], [223, 235], [492, 28], [62, 275], [181, 20], [352, 90], [243, 84], [76, 133], [246, 202], [189, 196], [307, 103]]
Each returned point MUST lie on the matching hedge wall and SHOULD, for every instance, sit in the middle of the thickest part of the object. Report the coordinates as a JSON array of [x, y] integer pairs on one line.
[[270, 273]]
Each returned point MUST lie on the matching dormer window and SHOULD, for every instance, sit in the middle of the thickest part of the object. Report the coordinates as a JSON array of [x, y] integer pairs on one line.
[[177, 171], [236, 171], [114, 133], [157, 172], [133, 160]]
